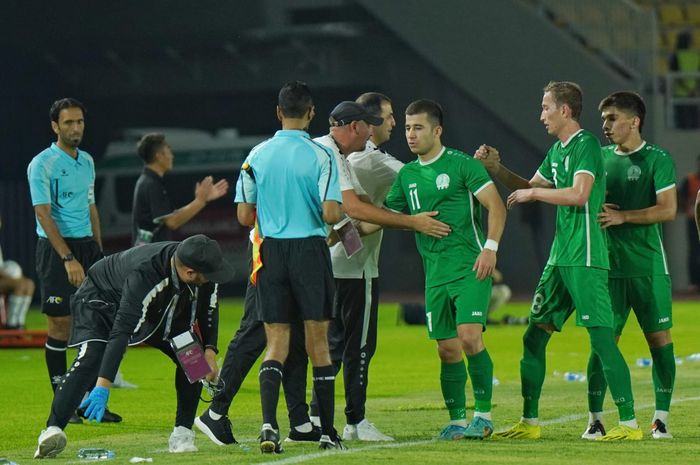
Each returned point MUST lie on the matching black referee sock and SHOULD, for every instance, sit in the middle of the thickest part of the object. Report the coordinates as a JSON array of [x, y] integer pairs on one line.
[[55, 353], [270, 380], [324, 387]]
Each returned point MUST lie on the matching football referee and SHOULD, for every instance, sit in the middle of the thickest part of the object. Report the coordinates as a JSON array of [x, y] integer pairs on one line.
[[296, 280]]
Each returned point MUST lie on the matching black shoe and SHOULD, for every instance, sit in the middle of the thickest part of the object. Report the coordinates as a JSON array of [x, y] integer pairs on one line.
[[75, 419], [328, 443], [311, 436], [219, 431], [108, 417], [270, 441]]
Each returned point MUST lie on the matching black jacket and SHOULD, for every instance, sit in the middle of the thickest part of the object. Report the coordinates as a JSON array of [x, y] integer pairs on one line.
[[126, 299]]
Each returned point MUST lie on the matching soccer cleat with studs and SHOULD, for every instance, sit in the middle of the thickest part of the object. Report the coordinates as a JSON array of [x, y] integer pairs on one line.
[[622, 433], [521, 430], [270, 441], [594, 430], [659, 430]]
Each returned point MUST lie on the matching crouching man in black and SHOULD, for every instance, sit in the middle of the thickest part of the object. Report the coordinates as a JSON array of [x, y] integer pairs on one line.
[[149, 294]]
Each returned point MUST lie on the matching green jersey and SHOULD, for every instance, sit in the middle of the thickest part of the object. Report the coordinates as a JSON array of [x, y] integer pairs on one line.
[[578, 240], [634, 180], [446, 184]]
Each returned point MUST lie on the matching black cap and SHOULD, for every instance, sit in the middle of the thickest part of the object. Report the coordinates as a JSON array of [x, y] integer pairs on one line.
[[204, 256], [346, 112]]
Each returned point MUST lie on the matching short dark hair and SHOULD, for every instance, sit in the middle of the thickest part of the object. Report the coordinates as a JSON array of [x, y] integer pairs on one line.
[[295, 99], [149, 145], [627, 101], [372, 101], [567, 93], [62, 104], [432, 108]]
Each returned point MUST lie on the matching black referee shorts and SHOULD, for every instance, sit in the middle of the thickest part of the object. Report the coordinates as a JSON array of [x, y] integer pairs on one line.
[[55, 288], [296, 280]]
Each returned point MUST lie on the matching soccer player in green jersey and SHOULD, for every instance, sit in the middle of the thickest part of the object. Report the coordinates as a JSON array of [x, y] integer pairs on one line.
[[457, 267], [641, 194], [572, 177]]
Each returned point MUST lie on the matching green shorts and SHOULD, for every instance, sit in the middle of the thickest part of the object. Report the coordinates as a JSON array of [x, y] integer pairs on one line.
[[649, 297], [564, 288], [465, 300]]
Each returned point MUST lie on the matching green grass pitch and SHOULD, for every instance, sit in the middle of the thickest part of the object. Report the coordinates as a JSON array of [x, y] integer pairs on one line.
[[404, 401]]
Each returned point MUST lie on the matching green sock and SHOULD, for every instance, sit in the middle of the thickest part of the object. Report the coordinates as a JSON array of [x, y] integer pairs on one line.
[[596, 383], [480, 368], [663, 372], [453, 379], [617, 374], [532, 368]]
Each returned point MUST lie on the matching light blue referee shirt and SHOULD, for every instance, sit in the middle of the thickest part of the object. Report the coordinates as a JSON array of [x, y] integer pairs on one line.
[[68, 185], [291, 177]]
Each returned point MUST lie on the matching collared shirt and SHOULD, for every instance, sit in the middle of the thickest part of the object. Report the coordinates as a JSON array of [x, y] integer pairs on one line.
[[151, 201], [288, 178], [67, 184], [376, 171], [346, 175]]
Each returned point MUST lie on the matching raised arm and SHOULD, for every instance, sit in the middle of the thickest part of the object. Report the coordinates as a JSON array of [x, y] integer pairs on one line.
[[205, 191], [491, 159]]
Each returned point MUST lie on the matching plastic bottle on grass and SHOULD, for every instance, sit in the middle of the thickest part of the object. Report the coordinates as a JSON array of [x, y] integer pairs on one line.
[[95, 454], [573, 376]]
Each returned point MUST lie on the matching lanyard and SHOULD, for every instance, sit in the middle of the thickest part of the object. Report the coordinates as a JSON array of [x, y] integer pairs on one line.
[[172, 305]]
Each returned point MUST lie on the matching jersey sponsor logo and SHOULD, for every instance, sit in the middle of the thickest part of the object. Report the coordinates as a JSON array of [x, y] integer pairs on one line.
[[585, 317], [633, 173], [477, 313], [442, 181], [537, 302], [664, 319], [54, 299]]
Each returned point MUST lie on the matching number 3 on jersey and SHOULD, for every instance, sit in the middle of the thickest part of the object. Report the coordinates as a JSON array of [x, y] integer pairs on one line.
[[413, 196]]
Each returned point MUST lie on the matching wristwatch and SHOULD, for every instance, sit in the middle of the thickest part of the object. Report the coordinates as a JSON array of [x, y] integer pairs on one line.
[[68, 258]]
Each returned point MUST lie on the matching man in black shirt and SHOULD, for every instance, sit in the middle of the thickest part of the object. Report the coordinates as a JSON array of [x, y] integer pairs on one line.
[[152, 213], [150, 294]]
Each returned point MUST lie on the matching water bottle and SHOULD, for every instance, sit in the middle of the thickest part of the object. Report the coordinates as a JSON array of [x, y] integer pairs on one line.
[[95, 454], [644, 362], [4, 461], [679, 360], [573, 376], [495, 381], [693, 357]]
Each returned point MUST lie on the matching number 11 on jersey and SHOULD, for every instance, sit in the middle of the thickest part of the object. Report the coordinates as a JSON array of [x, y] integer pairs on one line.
[[413, 195]]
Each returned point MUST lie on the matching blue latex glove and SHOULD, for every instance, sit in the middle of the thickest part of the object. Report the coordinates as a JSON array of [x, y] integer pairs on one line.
[[96, 403]]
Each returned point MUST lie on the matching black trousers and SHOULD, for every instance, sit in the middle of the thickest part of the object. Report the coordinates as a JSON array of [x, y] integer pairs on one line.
[[352, 337], [245, 348], [693, 253], [82, 375]]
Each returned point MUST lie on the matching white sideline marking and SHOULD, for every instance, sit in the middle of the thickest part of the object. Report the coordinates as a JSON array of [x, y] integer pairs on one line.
[[318, 455], [392, 445]]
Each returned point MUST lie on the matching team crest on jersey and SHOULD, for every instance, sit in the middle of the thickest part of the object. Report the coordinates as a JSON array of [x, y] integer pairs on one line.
[[633, 173], [442, 181]]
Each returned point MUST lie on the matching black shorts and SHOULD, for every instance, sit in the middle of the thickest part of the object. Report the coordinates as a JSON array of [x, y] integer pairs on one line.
[[51, 271], [296, 280]]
